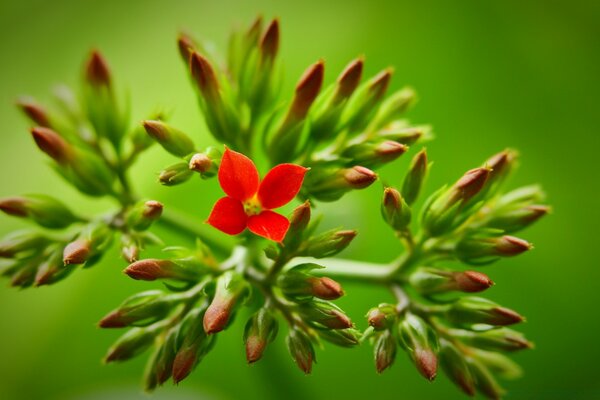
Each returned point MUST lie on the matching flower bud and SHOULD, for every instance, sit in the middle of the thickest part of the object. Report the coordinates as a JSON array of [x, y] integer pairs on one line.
[[341, 337], [131, 344], [375, 154], [261, 329], [384, 351], [301, 350], [382, 317], [515, 219], [501, 339], [476, 310], [298, 223], [307, 89], [498, 364], [298, 283], [522, 196], [52, 269], [455, 366], [429, 281], [484, 380], [186, 46], [207, 163], [472, 281], [399, 132], [77, 252], [393, 107], [501, 166], [141, 309], [348, 80], [89, 246], [22, 241], [160, 367], [413, 182], [175, 174], [35, 112], [329, 243], [483, 249], [331, 183], [230, 288], [205, 78], [325, 288], [152, 269], [269, 43], [96, 70], [394, 210], [365, 100], [420, 342], [44, 210], [195, 344], [172, 140], [324, 314], [143, 214], [52, 144]]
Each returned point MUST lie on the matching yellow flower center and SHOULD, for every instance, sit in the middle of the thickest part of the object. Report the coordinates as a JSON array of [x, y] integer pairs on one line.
[[252, 206]]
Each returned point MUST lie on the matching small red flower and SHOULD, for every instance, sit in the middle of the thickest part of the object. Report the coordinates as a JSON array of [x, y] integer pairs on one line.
[[249, 201]]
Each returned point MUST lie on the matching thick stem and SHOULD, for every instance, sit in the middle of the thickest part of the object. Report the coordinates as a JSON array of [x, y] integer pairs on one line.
[[350, 269]]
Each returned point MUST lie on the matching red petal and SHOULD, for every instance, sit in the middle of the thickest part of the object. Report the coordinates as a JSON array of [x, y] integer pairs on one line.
[[269, 224], [228, 216], [281, 185], [238, 175]]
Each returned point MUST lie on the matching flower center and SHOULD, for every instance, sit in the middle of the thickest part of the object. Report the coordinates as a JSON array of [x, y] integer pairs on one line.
[[252, 206]]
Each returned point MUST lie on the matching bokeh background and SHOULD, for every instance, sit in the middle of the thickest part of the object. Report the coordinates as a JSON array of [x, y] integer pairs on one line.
[[489, 74]]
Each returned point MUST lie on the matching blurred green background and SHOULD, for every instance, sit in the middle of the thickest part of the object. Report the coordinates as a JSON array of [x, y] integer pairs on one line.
[[489, 74]]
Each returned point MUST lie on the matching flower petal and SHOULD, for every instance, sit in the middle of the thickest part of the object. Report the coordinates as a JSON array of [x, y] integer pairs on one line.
[[228, 216], [238, 175], [281, 185], [269, 224]]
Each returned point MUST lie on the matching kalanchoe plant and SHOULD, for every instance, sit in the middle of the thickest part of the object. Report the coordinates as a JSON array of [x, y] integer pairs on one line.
[[321, 144]]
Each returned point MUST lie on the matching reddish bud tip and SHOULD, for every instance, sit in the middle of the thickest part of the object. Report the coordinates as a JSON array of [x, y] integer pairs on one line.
[[471, 281], [350, 78], [97, 71], [204, 75], [390, 150], [512, 246], [340, 321], [300, 216], [359, 177], [147, 270], [130, 253], [186, 47], [326, 288], [112, 320], [183, 364], [200, 162], [377, 319], [14, 206], [52, 144], [472, 182], [255, 346], [76, 252], [152, 209], [379, 84], [269, 44], [505, 316], [427, 363], [307, 89], [216, 316], [35, 112]]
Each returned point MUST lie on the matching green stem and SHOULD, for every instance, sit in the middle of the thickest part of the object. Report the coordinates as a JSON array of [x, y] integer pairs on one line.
[[351, 270]]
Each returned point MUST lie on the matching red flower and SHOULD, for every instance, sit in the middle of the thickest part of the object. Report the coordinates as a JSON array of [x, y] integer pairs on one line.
[[249, 201]]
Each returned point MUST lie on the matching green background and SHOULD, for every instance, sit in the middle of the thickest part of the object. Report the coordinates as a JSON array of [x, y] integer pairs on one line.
[[490, 74]]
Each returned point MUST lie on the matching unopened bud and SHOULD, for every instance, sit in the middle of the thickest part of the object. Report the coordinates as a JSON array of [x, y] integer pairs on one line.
[[306, 92], [260, 330], [500, 339], [35, 112], [382, 317], [329, 243], [433, 280], [21, 241], [393, 107], [456, 368], [480, 250], [141, 309], [298, 222], [77, 252], [152, 269], [52, 270], [172, 140], [331, 183], [52, 144], [205, 77], [96, 71], [130, 248], [348, 80], [513, 220], [269, 44], [44, 210], [394, 210], [324, 314], [420, 342], [207, 163], [374, 154], [471, 281], [359, 177], [475, 310], [341, 337], [175, 174], [143, 214], [484, 380], [470, 184], [195, 344], [413, 182], [230, 288], [131, 344], [498, 364], [384, 351], [362, 105], [501, 165], [399, 132], [89, 246], [325, 288], [301, 350], [186, 46]]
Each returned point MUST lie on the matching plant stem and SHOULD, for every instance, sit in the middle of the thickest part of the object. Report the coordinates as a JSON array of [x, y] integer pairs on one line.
[[351, 270]]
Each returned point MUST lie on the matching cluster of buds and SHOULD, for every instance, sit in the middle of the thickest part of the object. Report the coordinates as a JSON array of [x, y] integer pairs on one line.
[[91, 147]]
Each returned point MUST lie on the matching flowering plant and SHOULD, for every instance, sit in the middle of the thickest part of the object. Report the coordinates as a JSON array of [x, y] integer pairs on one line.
[[321, 144]]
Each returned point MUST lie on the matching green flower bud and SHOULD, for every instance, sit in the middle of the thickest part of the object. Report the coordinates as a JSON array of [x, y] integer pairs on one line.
[[432, 280], [455, 366], [393, 107], [140, 139], [476, 310], [97, 72], [512, 220], [374, 154], [261, 329], [299, 283], [172, 140], [88, 173], [484, 380], [327, 183], [498, 364], [35, 112], [417, 173], [399, 132], [52, 269], [175, 174], [130, 248], [207, 163], [522, 196], [133, 343], [52, 144], [323, 314], [44, 210], [162, 367], [394, 210], [481, 249], [382, 317], [195, 344], [152, 269], [298, 223], [143, 214], [22, 241], [301, 350], [230, 288], [501, 166], [141, 309], [93, 241], [341, 337], [384, 351], [328, 243], [420, 342], [501, 339]]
